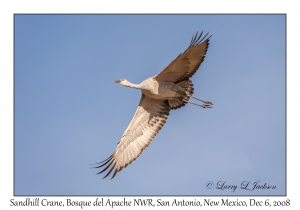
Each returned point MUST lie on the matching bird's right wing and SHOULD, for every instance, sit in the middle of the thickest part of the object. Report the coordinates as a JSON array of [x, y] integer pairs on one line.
[[148, 119]]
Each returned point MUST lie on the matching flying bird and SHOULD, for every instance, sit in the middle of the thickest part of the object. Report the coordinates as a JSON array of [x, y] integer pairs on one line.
[[170, 89]]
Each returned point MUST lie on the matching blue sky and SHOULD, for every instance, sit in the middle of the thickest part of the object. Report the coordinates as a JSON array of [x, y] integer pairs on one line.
[[69, 113]]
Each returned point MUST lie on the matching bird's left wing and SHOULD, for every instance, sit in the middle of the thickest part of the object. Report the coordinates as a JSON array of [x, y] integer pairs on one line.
[[148, 119], [186, 63]]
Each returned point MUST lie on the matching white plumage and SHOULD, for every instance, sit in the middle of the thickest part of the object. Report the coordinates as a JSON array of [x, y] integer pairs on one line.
[[170, 89]]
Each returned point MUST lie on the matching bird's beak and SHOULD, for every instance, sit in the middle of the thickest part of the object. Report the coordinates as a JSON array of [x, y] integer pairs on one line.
[[117, 81]]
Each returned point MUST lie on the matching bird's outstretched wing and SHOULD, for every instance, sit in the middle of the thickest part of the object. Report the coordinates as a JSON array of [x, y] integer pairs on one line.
[[187, 63], [148, 119]]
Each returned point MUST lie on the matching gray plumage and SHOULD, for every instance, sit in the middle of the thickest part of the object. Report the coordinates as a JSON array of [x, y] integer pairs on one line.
[[169, 89]]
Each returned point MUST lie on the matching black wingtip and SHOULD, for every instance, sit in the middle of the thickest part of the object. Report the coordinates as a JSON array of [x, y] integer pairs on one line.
[[114, 174], [107, 164], [112, 167], [107, 161], [197, 39], [101, 161]]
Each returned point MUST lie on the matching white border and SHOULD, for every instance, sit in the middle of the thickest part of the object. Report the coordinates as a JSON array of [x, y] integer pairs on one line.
[[9, 8]]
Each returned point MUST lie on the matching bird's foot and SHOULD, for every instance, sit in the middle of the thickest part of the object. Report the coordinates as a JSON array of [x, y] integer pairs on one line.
[[206, 105], [207, 102]]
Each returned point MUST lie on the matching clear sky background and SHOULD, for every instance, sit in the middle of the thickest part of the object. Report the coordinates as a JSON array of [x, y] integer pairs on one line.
[[68, 113]]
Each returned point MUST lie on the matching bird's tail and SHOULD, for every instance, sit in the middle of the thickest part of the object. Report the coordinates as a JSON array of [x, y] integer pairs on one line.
[[187, 85]]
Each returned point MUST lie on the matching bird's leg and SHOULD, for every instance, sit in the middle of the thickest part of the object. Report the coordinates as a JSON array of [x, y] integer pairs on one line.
[[202, 105], [206, 102]]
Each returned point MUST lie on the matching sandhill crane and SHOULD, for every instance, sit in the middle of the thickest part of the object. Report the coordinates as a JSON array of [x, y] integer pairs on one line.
[[169, 89]]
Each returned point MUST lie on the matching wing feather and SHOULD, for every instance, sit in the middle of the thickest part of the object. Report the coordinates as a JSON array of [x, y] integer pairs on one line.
[[187, 63], [148, 119]]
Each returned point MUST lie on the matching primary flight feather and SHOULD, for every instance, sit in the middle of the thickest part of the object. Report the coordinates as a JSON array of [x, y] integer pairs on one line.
[[169, 89]]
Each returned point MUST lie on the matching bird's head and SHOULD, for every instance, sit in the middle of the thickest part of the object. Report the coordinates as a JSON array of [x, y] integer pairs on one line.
[[122, 81]]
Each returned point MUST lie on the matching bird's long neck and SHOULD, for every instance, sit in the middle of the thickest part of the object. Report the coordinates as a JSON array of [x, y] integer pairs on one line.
[[129, 84]]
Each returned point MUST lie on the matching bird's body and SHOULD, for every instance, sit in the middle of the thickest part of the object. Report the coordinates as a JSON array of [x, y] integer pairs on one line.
[[170, 89]]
